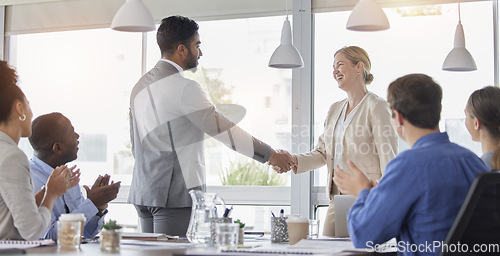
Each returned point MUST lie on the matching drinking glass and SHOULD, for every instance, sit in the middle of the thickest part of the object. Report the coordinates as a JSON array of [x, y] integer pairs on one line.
[[226, 235]]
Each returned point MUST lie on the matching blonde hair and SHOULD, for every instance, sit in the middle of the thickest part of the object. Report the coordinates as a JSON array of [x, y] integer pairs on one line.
[[356, 54]]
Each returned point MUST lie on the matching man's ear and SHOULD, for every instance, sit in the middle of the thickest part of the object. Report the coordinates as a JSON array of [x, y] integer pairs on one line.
[[181, 50], [398, 117], [56, 148]]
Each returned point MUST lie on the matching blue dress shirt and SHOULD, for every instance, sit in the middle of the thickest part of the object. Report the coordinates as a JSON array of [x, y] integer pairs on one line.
[[73, 199], [418, 198]]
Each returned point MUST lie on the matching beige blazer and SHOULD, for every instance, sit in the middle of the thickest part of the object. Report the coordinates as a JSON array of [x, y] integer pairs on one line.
[[370, 141]]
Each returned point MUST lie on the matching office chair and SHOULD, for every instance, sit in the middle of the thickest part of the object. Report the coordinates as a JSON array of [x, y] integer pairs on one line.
[[478, 221]]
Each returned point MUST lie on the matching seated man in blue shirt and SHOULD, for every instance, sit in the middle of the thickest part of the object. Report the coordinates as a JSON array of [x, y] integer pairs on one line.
[[423, 188], [56, 143]]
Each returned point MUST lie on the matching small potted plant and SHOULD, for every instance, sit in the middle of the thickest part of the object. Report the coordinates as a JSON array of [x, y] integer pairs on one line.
[[241, 235], [110, 236]]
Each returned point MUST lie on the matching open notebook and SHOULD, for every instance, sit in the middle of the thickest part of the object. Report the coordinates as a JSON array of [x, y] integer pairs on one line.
[[21, 244]]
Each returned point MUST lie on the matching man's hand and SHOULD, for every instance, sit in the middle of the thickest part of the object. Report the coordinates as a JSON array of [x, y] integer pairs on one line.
[[74, 178], [351, 184], [101, 192], [292, 158], [281, 161]]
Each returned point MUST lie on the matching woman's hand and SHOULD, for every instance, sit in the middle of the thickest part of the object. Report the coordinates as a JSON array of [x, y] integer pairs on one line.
[[59, 181]]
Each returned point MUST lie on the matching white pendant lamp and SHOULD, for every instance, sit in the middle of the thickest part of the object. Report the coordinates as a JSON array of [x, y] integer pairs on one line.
[[286, 55], [459, 59], [367, 16], [133, 16]]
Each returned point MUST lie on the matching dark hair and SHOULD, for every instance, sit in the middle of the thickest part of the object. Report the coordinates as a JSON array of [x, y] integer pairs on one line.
[[173, 31], [418, 98], [9, 91], [484, 104], [46, 131]]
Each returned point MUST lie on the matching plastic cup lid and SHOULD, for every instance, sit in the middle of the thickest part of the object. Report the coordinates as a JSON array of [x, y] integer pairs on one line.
[[297, 218], [72, 217]]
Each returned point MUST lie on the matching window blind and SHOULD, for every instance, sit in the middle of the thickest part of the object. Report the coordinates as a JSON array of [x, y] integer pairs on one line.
[[63, 15]]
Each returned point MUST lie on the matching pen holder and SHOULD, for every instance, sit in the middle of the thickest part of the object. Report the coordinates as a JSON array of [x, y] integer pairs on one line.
[[214, 220], [279, 230]]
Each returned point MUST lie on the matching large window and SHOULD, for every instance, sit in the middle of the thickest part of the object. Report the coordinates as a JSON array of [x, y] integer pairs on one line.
[[87, 75], [417, 42], [233, 69]]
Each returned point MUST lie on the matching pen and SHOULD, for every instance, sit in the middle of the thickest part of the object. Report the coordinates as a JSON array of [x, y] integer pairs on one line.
[[273, 214], [282, 213], [227, 212]]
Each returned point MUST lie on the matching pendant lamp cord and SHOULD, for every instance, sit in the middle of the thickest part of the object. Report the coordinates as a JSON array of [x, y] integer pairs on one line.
[[286, 1], [459, 19]]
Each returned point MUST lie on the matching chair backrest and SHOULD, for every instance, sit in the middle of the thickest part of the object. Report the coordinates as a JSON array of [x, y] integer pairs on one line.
[[478, 221]]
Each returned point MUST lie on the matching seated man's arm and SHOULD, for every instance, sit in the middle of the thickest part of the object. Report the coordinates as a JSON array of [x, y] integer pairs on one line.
[[98, 197], [379, 213]]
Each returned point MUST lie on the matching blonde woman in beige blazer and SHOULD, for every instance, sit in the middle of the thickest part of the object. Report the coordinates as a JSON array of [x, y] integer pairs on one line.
[[364, 132]]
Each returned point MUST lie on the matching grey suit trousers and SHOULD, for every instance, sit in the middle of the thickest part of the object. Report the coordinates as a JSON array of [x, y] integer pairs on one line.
[[170, 221]]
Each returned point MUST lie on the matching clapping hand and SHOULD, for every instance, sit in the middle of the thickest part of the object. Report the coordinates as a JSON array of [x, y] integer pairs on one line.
[[74, 178], [102, 192], [351, 183], [59, 181]]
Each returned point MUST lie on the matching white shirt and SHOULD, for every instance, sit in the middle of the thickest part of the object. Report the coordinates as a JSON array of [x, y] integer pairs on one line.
[[339, 132], [181, 71]]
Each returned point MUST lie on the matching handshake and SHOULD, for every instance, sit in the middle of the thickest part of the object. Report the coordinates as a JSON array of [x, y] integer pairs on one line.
[[282, 161]]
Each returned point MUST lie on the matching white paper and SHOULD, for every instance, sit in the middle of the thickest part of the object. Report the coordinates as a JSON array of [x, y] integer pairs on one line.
[[155, 243], [20, 244], [143, 235], [332, 245]]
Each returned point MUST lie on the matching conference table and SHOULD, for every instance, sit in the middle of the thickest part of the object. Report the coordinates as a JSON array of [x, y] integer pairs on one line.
[[183, 248]]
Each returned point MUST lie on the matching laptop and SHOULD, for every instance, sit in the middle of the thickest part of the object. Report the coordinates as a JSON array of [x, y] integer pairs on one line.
[[342, 204]]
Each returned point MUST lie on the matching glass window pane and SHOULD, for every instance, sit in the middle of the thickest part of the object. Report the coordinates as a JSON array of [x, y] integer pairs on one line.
[[417, 42], [86, 75], [233, 69]]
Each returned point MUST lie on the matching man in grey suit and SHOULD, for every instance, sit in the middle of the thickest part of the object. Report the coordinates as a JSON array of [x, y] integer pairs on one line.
[[169, 116]]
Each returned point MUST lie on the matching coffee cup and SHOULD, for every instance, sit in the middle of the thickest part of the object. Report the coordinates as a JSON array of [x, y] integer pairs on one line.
[[76, 217], [298, 229]]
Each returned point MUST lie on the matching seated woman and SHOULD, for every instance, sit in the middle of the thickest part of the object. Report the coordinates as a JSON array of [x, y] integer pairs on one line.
[[482, 119], [23, 215]]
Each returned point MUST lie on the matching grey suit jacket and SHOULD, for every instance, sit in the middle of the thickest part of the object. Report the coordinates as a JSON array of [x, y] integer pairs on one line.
[[20, 217], [169, 115]]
